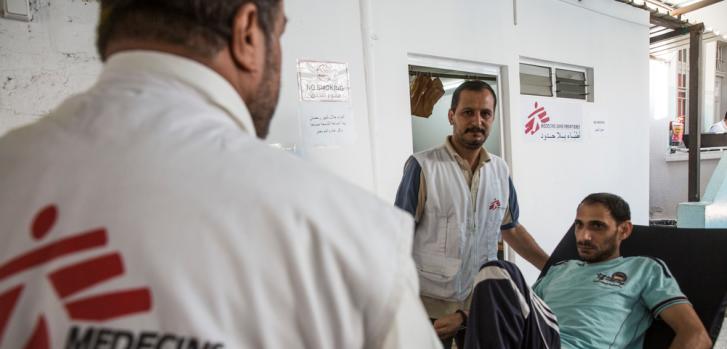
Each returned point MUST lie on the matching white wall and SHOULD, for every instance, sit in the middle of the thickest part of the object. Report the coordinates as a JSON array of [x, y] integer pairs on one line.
[[44, 61], [551, 178], [327, 30], [52, 57]]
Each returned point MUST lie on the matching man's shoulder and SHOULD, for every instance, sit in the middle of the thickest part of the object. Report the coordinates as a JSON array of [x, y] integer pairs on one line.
[[560, 265], [428, 153], [293, 182], [648, 263], [497, 161], [495, 157]]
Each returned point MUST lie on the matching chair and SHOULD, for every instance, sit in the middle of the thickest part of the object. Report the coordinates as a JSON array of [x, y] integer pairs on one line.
[[696, 257]]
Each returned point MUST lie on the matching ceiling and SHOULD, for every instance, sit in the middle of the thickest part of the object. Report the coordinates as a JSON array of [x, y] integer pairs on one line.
[[669, 27]]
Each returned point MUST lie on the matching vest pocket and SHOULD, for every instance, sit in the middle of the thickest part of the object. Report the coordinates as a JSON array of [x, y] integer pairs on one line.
[[452, 236], [436, 267]]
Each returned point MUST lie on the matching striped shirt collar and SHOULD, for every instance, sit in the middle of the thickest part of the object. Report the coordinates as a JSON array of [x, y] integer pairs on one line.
[[484, 155]]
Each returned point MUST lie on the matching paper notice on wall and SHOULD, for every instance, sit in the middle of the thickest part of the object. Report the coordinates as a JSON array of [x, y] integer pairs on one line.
[[599, 127], [547, 119], [320, 81], [327, 124]]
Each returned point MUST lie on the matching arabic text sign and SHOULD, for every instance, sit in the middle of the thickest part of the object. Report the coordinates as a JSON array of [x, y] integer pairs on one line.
[[550, 119], [327, 124], [323, 81]]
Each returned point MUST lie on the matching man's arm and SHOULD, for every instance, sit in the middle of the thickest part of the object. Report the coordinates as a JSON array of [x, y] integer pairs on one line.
[[408, 196], [690, 332], [517, 236], [523, 243]]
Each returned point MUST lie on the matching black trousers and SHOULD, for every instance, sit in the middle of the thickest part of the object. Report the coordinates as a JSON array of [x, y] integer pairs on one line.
[[506, 314]]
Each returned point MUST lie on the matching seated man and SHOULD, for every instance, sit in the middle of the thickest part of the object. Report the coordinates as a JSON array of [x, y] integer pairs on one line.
[[601, 301]]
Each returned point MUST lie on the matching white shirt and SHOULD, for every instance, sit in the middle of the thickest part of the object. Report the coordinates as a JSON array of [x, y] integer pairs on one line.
[[718, 127], [145, 211]]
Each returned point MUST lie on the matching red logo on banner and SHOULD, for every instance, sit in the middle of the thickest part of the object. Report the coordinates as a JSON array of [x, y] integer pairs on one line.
[[538, 117], [71, 279], [495, 204]]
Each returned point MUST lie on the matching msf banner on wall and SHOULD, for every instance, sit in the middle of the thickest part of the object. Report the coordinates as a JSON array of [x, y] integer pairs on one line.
[[547, 119]]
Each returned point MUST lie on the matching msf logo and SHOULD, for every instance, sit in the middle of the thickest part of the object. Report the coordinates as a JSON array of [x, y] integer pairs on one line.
[[538, 117], [70, 279]]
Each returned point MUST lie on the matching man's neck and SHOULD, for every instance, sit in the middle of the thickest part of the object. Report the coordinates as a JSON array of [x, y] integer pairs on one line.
[[618, 255], [472, 156]]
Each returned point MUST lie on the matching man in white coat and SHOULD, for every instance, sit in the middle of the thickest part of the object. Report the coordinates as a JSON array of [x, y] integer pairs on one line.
[[145, 212]]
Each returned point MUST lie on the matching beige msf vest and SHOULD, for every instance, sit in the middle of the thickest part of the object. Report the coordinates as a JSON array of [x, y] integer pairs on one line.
[[454, 237]]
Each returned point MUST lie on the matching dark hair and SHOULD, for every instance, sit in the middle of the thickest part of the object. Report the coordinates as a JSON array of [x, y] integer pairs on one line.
[[471, 85], [617, 206], [725, 115], [202, 26]]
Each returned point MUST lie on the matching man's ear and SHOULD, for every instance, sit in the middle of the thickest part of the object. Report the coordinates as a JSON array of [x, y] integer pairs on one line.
[[625, 230], [450, 116], [247, 45]]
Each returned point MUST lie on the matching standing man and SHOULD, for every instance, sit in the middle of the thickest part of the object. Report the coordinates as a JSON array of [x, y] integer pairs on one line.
[[462, 200], [719, 127], [146, 213]]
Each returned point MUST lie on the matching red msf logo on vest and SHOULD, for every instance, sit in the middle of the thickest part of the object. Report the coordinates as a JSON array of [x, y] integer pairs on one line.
[[495, 204], [69, 280], [538, 117]]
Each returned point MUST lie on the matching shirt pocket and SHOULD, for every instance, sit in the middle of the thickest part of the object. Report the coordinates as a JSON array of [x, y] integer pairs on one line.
[[437, 268], [433, 239]]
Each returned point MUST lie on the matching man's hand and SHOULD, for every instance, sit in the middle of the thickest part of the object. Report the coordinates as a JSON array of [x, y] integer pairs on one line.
[[447, 326]]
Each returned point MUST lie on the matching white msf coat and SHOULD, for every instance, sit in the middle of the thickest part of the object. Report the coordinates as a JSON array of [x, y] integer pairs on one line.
[[144, 213]]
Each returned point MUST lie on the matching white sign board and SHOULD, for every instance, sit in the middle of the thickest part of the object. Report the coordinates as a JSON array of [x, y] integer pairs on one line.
[[323, 81], [599, 127], [327, 124], [547, 119]]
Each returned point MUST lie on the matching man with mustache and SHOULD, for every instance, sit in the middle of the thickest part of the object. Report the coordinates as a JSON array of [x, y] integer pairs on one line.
[[463, 201], [602, 300]]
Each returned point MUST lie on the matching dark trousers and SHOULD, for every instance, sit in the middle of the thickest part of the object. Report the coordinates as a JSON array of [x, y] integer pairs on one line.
[[505, 314]]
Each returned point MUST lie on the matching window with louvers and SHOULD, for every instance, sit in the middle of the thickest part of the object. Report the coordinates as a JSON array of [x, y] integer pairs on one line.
[[570, 84], [535, 80]]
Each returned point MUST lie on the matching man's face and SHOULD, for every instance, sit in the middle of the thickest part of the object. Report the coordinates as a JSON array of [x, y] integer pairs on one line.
[[473, 118], [598, 235], [263, 105]]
